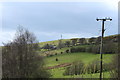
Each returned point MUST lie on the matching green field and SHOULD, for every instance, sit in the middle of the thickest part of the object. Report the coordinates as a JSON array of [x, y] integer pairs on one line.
[[73, 57], [57, 70]]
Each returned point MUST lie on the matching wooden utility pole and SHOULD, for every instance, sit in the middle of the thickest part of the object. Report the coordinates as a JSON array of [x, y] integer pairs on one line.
[[101, 49]]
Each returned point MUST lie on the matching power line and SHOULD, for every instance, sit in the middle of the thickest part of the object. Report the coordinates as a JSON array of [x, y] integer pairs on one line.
[[101, 49]]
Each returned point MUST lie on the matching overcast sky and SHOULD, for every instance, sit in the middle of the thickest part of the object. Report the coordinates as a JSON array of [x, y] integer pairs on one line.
[[48, 20]]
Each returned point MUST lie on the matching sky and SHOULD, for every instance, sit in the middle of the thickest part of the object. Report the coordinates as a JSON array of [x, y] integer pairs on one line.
[[49, 20]]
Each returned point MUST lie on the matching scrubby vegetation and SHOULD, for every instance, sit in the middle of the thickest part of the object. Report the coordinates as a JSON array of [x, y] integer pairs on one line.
[[78, 68]]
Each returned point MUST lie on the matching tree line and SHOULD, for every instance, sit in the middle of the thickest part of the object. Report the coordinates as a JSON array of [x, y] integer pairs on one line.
[[109, 44]]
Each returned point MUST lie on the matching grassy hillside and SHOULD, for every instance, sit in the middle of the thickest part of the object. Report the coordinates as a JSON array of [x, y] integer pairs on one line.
[[74, 57], [43, 52]]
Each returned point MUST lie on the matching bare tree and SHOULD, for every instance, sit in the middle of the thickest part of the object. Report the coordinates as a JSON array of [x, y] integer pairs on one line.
[[20, 58]]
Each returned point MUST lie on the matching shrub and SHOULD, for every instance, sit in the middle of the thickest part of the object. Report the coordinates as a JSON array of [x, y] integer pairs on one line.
[[56, 59], [107, 66], [96, 49], [109, 48], [94, 67], [77, 49], [61, 52], [89, 49], [115, 68], [76, 68], [67, 51], [72, 50], [55, 53]]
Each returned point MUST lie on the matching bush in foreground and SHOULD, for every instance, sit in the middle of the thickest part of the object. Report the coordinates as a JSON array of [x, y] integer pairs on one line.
[[76, 68]]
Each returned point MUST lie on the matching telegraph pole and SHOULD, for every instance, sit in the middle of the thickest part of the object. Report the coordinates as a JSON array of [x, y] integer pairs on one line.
[[101, 49]]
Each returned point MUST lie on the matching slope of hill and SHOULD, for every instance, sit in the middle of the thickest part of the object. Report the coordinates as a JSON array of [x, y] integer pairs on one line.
[[64, 60], [57, 68]]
